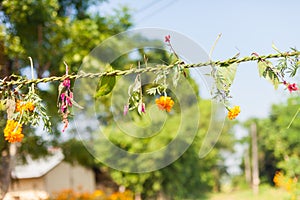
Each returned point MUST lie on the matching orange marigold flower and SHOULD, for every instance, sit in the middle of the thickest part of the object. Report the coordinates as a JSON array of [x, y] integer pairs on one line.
[[233, 112], [278, 179], [13, 131], [98, 193], [284, 182], [164, 103], [29, 106], [22, 106], [18, 106]]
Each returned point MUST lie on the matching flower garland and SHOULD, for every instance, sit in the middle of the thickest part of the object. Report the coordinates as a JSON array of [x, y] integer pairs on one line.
[[23, 109], [65, 100], [27, 108]]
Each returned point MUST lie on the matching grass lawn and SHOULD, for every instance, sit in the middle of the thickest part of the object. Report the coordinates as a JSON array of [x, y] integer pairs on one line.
[[265, 193]]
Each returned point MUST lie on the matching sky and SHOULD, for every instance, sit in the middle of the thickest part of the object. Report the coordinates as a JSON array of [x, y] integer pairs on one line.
[[246, 27]]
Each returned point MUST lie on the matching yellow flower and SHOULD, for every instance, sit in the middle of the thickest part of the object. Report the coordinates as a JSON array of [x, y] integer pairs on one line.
[[233, 112], [284, 182], [29, 106], [164, 103], [278, 179], [98, 193], [22, 106], [13, 131]]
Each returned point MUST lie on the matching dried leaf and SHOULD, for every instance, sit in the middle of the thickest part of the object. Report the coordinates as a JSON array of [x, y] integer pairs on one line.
[[10, 108]]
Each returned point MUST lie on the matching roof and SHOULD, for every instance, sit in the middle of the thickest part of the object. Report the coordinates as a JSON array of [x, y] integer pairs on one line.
[[37, 168]]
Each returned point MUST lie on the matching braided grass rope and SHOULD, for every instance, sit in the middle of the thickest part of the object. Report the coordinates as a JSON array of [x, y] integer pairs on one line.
[[224, 63]]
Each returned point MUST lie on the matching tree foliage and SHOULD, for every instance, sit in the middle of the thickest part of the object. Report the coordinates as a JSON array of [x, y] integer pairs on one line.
[[187, 177], [194, 176], [49, 31], [53, 31], [278, 144]]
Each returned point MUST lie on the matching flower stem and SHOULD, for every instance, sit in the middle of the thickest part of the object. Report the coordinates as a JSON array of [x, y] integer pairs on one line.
[[32, 73], [214, 45], [67, 68], [294, 117]]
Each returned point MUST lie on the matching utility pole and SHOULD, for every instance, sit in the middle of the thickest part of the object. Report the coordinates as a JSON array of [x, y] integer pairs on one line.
[[247, 163], [255, 168]]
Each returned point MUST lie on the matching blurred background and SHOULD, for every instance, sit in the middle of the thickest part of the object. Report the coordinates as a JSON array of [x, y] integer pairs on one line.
[[256, 156]]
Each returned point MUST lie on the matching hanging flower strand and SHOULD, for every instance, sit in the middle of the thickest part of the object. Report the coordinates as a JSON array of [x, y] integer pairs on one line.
[[276, 74], [178, 63], [165, 102], [65, 99], [24, 109], [168, 41], [135, 94]]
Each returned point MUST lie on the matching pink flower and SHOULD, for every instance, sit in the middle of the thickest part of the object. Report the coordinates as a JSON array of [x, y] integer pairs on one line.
[[63, 108], [67, 83], [69, 99], [66, 124], [141, 107], [126, 108], [62, 96], [292, 87], [167, 38]]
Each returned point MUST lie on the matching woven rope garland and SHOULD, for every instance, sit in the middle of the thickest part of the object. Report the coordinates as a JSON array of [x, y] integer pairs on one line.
[[147, 69]]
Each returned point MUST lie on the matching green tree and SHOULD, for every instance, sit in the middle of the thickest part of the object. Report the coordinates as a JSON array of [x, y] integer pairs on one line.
[[188, 176], [279, 145], [52, 31], [49, 31]]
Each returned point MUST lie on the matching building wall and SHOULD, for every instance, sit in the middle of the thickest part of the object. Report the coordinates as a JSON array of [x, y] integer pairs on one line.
[[27, 184], [62, 177], [27, 189], [83, 179], [65, 176]]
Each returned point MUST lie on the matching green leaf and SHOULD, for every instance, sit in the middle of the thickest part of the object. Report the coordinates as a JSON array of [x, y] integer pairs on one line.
[[272, 78], [105, 86], [2, 105], [225, 76], [266, 70], [262, 66], [74, 103]]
